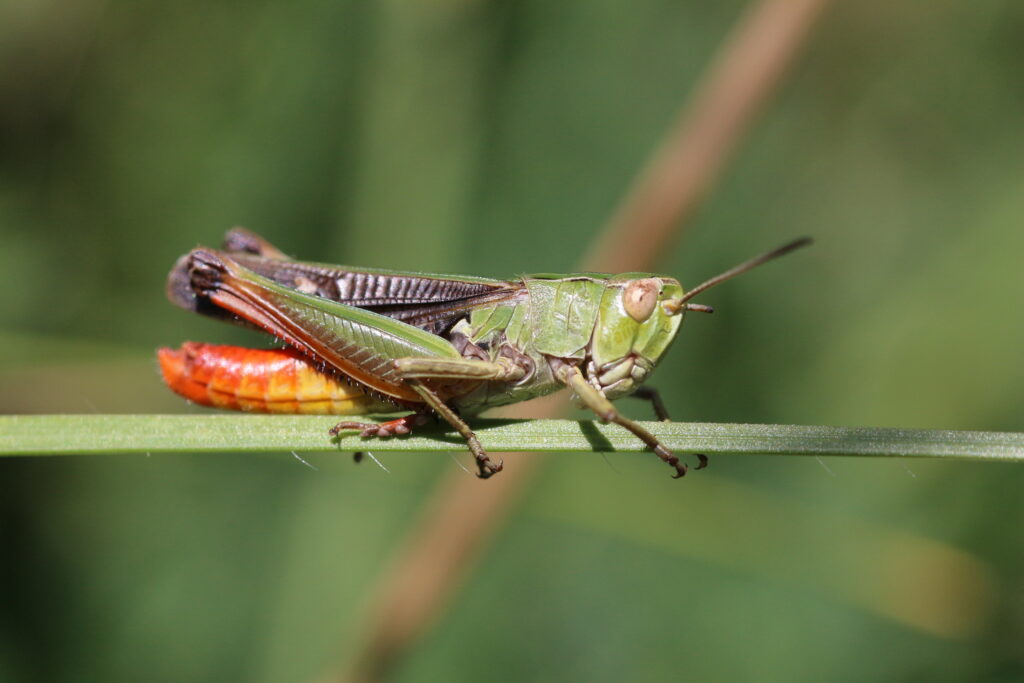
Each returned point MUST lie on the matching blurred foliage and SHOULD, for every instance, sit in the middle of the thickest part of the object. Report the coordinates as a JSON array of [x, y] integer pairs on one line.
[[494, 138]]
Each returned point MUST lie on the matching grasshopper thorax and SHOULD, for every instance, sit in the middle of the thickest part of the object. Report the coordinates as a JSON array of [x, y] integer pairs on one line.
[[634, 327]]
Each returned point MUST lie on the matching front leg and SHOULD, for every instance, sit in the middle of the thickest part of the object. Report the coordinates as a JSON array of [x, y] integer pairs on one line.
[[651, 394], [592, 398]]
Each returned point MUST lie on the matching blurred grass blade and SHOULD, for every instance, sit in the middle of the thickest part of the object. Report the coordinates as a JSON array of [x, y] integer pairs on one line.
[[94, 434]]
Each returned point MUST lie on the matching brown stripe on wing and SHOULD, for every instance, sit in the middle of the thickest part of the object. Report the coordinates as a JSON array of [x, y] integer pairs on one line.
[[367, 289], [432, 303], [438, 317]]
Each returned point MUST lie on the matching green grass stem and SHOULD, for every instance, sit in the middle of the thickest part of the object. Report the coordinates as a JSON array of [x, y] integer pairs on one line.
[[97, 434]]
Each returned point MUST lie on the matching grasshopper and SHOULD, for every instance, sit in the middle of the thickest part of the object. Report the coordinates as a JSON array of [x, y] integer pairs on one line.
[[363, 341]]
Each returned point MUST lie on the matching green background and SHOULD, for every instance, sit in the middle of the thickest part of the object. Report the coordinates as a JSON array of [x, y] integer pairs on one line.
[[494, 138]]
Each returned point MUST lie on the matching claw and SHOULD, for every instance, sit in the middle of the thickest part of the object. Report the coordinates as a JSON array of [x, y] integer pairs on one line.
[[342, 426], [488, 468], [672, 460], [400, 427], [702, 461]]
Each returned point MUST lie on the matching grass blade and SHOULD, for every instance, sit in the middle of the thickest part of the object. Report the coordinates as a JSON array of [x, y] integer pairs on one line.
[[96, 434]]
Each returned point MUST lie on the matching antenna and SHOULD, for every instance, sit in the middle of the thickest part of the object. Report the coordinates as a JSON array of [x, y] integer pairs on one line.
[[677, 305]]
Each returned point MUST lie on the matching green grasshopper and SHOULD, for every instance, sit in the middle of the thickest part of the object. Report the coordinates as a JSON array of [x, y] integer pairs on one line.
[[453, 345]]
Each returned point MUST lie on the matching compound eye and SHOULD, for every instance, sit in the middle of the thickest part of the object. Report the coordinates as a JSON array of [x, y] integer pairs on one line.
[[640, 298]]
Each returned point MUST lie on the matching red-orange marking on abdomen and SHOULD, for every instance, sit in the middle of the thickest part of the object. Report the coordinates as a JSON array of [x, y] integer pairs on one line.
[[260, 380]]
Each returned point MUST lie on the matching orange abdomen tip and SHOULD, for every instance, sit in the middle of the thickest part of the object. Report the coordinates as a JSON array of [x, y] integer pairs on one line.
[[260, 380]]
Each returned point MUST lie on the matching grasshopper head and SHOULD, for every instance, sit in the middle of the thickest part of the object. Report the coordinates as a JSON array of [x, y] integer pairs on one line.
[[636, 324], [639, 317]]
